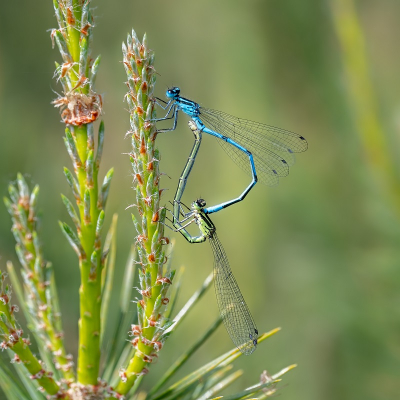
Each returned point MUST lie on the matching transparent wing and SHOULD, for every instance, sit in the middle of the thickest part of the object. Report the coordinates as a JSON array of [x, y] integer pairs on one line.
[[236, 316], [272, 148]]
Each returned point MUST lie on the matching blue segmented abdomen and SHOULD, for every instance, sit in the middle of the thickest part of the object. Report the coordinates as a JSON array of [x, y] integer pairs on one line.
[[272, 148]]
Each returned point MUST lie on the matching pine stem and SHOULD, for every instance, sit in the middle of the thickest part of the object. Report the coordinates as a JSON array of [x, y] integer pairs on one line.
[[80, 107], [154, 280], [37, 272], [13, 339]]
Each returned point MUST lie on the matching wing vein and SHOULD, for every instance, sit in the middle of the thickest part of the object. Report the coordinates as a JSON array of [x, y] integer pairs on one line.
[[272, 148], [234, 311]]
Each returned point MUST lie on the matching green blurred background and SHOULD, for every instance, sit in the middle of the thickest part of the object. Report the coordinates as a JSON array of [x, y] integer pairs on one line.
[[319, 254]]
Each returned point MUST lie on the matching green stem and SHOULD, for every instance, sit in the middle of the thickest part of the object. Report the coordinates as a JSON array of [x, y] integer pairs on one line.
[[20, 347], [90, 290], [73, 38], [34, 367], [73, 32], [138, 62], [22, 208]]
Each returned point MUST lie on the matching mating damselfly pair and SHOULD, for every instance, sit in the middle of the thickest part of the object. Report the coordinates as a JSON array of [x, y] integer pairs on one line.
[[264, 151]]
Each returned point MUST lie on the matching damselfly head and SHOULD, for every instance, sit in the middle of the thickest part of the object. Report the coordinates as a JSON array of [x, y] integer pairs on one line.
[[173, 92], [199, 204]]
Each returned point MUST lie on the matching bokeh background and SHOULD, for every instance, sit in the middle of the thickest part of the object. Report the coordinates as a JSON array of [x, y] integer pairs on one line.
[[318, 255]]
